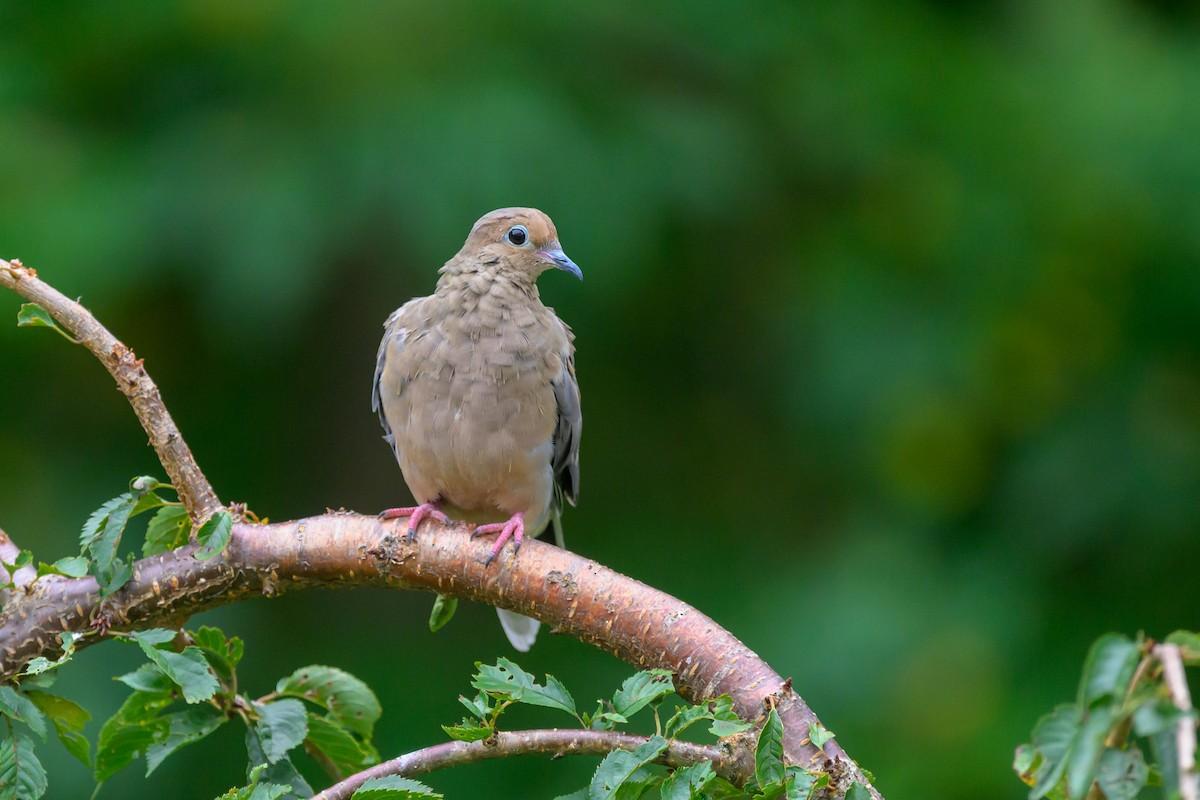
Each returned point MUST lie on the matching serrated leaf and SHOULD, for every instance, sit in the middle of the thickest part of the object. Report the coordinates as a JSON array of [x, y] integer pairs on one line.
[[214, 535], [148, 678], [282, 725], [1084, 757], [1122, 773], [70, 567], [129, 732], [509, 679], [467, 731], [478, 705], [1052, 736], [350, 700], [1108, 669], [188, 669], [345, 750], [819, 735], [857, 792], [182, 728], [68, 718], [255, 789], [393, 787], [22, 776], [443, 611], [642, 689], [688, 782], [768, 753], [41, 664], [800, 783], [17, 706], [167, 530], [112, 579], [282, 772], [620, 766], [223, 654]]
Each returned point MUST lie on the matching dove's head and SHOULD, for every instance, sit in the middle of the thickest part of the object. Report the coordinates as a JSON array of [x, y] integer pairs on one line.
[[520, 241]]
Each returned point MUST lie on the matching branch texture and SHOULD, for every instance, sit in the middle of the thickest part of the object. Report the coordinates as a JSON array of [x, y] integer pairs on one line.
[[639, 624], [553, 742], [126, 368]]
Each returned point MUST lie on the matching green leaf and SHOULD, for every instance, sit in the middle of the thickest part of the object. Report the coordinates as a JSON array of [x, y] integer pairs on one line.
[[1084, 756], [768, 754], [1109, 668], [281, 726], [819, 735], [800, 783], [17, 706], [1122, 773], [467, 731], [443, 611], [857, 792], [478, 706], [1052, 736], [688, 782], [214, 535], [346, 752], [282, 772], [182, 728], [642, 689], [350, 700], [508, 679], [71, 567], [22, 776], [719, 710], [129, 732], [223, 654], [189, 669], [168, 529], [101, 536], [41, 664], [31, 315], [582, 794], [148, 678], [620, 766], [68, 718], [393, 787], [254, 790]]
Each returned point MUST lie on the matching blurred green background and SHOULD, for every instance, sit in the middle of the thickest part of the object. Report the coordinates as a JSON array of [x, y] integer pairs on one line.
[[889, 340]]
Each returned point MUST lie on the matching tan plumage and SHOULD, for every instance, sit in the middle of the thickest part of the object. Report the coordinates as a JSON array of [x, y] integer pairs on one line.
[[475, 386]]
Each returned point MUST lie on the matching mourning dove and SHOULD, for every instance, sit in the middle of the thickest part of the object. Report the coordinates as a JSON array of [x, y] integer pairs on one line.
[[475, 386]]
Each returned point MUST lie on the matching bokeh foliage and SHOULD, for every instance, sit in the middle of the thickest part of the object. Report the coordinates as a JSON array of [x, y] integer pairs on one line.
[[889, 337]]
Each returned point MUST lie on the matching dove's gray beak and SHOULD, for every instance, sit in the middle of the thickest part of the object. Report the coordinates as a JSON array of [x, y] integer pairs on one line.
[[559, 259]]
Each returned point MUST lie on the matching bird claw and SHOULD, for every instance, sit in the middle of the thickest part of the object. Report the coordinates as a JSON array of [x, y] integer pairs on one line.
[[415, 516], [513, 529]]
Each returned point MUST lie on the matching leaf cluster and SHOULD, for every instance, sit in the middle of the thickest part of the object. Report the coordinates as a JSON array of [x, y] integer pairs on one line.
[[1122, 712]]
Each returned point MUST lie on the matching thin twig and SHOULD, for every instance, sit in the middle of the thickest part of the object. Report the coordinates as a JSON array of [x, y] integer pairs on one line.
[[127, 369], [552, 742], [1185, 730]]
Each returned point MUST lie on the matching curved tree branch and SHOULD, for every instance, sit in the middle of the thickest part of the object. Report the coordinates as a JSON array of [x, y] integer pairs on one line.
[[126, 368], [642, 625], [728, 762], [639, 624]]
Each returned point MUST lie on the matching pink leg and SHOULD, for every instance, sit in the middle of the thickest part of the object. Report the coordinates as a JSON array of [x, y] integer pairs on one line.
[[415, 514], [513, 529]]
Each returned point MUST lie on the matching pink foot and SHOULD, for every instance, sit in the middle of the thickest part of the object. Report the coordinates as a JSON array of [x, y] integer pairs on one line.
[[415, 515], [513, 529]]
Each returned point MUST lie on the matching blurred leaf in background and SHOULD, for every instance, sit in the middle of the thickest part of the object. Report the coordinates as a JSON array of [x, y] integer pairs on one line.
[[892, 310]]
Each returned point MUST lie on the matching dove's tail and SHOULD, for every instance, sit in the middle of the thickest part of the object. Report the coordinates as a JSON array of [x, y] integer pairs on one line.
[[520, 629]]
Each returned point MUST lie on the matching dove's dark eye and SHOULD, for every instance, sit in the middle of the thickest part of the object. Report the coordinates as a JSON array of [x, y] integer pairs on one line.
[[518, 234]]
